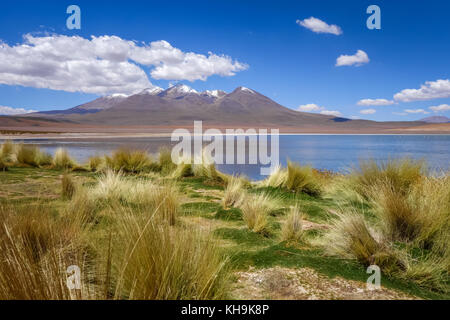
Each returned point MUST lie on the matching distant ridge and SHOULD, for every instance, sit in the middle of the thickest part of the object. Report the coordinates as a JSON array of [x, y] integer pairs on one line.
[[436, 119], [179, 106]]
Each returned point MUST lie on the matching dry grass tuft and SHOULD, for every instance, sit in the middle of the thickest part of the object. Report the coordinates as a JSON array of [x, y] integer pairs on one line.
[[292, 230], [234, 192], [95, 163], [157, 261], [67, 187], [130, 161], [256, 210], [62, 160]]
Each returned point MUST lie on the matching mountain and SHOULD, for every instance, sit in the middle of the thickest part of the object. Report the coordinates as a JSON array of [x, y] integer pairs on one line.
[[436, 119], [180, 106]]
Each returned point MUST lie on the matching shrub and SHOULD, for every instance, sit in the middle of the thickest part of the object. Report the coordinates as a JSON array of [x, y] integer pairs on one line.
[[302, 179], [234, 192], [292, 230], [156, 261], [62, 160], [68, 187], [130, 161]]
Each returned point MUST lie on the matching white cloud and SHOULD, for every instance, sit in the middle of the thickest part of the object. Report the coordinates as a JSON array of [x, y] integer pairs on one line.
[[440, 108], [319, 26], [400, 113], [429, 90], [331, 113], [310, 107], [14, 111], [103, 65], [368, 111], [375, 102], [358, 59], [416, 111]]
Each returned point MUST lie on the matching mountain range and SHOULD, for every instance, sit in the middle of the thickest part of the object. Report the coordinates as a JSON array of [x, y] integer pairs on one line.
[[180, 106]]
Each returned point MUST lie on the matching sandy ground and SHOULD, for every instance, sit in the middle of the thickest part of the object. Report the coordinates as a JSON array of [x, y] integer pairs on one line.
[[305, 284]]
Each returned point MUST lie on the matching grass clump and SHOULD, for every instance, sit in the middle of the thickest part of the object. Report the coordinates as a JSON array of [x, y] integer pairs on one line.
[[115, 188], [62, 160], [35, 251], [234, 193], [256, 210], [67, 187], [401, 174], [292, 230], [165, 161], [95, 163], [3, 164], [7, 151], [302, 179], [162, 262], [296, 178], [130, 161], [27, 155]]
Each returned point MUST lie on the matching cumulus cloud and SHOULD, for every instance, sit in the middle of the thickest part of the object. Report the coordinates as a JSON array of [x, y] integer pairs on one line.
[[8, 111], [416, 111], [103, 65], [310, 107], [375, 102], [331, 113], [358, 59], [368, 111], [440, 108], [429, 90], [319, 26]]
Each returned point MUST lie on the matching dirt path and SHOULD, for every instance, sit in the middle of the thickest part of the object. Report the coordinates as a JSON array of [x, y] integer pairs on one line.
[[305, 284]]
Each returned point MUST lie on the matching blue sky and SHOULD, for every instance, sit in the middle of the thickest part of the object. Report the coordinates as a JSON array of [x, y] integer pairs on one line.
[[268, 51]]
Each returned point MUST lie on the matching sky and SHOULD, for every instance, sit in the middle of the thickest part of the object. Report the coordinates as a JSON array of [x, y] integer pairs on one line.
[[316, 56]]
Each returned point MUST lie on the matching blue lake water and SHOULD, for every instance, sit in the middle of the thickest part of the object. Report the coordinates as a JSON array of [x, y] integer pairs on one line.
[[331, 152]]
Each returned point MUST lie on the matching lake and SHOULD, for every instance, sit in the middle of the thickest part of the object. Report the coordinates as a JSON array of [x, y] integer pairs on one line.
[[330, 152]]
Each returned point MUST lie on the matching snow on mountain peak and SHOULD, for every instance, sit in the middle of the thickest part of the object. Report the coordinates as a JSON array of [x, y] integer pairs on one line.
[[214, 93], [246, 89], [117, 95], [182, 88], [152, 91]]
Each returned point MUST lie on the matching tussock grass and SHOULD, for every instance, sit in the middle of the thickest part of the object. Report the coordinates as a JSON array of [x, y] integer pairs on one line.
[[234, 192], [296, 178], [401, 174], [156, 261], [35, 251], [276, 179], [351, 237], [130, 161], [165, 161], [256, 210], [292, 230], [95, 163], [7, 151], [410, 217], [67, 187], [3, 164], [115, 188], [302, 179], [62, 160], [27, 155]]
